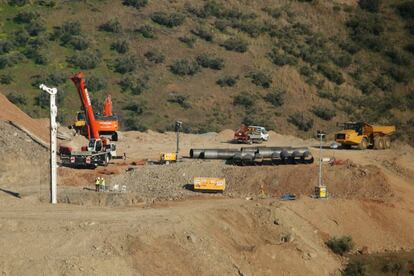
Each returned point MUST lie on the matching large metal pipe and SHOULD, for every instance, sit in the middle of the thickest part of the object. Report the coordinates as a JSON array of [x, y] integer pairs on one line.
[[218, 153]]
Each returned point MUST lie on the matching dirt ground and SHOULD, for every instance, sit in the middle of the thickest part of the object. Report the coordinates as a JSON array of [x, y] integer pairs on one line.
[[159, 227]]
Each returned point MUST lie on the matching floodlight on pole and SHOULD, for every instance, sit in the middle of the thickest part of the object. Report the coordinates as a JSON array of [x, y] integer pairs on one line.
[[53, 141]]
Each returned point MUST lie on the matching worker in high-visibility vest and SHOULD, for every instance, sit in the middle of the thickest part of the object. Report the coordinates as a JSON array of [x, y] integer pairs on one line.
[[97, 183], [103, 184]]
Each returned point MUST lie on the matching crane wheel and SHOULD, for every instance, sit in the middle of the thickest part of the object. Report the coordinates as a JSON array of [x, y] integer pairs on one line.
[[364, 144]]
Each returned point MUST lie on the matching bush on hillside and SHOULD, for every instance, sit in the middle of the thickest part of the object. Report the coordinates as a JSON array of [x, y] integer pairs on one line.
[[85, 60], [208, 61], [323, 112], [398, 74], [301, 122], [181, 100], [276, 98], [155, 56], [340, 245], [146, 31], [35, 28], [56, 78], [350, 46], [221, 25], [260, 79], [17, 99], [135, 3], [235, 44], [125, 64], [6, 78], [10, 60], [169, 20], [133, 84], [138, 109], [370, 5], [398, 57], [46, 3], [35, 55], [121, 46], [279, 58], [95, 83], [5, 46], [406, 9], [134, 123], [355, 268], [273, 12], [184, 67], [19, 3], [111, 26], [342, 60], [331, 73], [229, 81], [78, 42], [408, 48], [366, 30], [20, 38], [244, 99], [67, 31], [188, 40], [203, 33], [26, 17], [384, 83]]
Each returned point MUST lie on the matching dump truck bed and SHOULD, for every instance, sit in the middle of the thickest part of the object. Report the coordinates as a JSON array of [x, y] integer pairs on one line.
[[385, 130]]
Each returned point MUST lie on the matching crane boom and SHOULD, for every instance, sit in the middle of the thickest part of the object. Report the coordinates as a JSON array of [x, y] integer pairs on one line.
[[79, 82]]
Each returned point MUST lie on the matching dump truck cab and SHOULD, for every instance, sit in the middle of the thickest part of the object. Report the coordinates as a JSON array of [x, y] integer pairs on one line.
[[364, 135]]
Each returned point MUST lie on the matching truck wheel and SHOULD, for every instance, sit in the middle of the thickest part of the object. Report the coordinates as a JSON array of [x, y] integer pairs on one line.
[[364, 144], [387, 142], [378, 143]]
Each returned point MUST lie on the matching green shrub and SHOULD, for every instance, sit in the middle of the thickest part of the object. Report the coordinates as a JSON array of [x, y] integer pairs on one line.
[[35, 55], [184, 67], [26, 17], [252, 28], [340, 245], [136, 85], [354, 268], [135, 3], [10, 60], [235, 44], [203, 33], [398, 57], [279, 58], [343, 60], [138, 109], [155, 56], [6, 78], [350, 46], [331, 74], [366, 30], [35, 28], [17, 99], [169, 20], [19, 3], [406, 9], [398, 74], [181, 100], [121, 46], [370, 5], [111, 26], [221, 25], [78, 42], [20, 38], [229, 81], [5, 47], [260, 79], [384, 83], [276, 98], [85, 60], [188, 40], [95, 83], [273, 12], [244, 99], [46, 3], [56, 78], [125, 64], [324, 113], [146, 31], [208, 61], [133, 123], [67, 31], [408, 48], [302, 123]]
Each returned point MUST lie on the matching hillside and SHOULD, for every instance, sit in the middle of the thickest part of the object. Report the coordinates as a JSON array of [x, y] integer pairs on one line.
[[293, 66]]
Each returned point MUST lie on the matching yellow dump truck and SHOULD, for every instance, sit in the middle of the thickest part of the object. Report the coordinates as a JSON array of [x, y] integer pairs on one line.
[[364, 135], [212, 184]]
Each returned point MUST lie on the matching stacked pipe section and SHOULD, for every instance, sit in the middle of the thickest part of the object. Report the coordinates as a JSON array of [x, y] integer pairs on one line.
[[257, 155]]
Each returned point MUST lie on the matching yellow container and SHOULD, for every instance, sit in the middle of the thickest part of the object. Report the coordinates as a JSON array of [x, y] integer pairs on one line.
[[169, 156], [321, 192], [209, 183]]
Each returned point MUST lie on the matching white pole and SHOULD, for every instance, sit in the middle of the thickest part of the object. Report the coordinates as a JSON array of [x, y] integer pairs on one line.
[[53, 133]]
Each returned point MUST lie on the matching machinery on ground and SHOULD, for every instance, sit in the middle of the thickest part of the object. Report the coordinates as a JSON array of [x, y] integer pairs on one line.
[[209, 184], [364, 135], [99, 150], [168, 157], [106, 123], [251, 134]]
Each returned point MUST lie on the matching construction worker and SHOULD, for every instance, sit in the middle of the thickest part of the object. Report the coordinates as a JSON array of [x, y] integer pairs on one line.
[[103, 184], [97, 183]]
